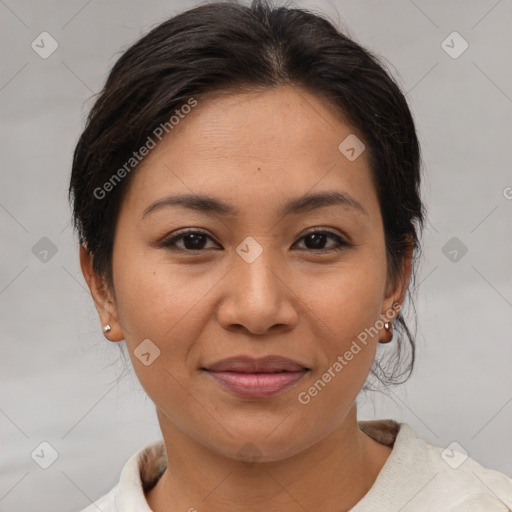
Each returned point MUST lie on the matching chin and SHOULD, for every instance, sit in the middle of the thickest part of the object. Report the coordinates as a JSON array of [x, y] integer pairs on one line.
[[257, 445]]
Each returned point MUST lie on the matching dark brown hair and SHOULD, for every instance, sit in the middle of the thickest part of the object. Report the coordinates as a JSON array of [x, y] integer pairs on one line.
[[224, 46]]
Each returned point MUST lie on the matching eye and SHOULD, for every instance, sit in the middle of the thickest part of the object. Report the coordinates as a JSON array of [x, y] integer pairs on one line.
[[316, 240], [194, 240]]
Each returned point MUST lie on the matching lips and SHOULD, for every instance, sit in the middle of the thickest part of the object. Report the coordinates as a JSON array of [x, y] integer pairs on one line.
[[245, 364], [256, 378]]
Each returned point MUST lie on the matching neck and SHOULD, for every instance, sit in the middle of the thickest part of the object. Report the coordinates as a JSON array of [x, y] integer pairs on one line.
[[333, 474]]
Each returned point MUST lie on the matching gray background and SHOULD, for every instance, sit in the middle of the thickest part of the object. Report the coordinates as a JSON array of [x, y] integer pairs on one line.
[[59, 373]]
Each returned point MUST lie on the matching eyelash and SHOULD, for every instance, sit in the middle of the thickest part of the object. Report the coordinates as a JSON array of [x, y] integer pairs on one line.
[[170, 242]]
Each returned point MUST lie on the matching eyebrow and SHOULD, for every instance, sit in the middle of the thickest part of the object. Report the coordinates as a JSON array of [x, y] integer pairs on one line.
[[306, 203]]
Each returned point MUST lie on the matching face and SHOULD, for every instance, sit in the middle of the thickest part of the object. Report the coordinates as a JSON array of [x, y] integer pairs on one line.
[[252, 278]]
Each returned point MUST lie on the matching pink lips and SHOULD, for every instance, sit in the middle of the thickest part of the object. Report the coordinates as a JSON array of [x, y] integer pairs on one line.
[[257, 378]]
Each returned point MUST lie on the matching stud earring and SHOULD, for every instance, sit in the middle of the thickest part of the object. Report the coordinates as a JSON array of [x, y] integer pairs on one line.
[[107, 329], [389, 327]]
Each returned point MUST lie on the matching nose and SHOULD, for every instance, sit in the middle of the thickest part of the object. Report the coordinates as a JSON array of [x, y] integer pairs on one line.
[[257, 297]]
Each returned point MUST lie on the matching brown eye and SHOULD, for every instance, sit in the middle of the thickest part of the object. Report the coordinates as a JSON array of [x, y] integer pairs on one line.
[[191, 241], [316, 240]]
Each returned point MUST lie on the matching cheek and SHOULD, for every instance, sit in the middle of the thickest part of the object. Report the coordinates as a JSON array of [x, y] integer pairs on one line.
[[154, 295], [152, 302], [161, 305], [345, 311], [345, 301]]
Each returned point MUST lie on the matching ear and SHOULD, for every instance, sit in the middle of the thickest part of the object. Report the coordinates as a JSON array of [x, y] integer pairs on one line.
[[102, 296], [395, 292]]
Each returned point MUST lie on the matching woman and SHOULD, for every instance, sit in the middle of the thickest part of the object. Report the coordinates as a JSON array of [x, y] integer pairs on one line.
[[247, 197]]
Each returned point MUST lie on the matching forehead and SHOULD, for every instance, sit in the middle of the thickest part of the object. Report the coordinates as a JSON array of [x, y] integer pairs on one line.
[[274, 143]]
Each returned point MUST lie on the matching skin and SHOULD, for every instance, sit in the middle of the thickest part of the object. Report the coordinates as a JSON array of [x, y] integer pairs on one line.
[[255, 151]]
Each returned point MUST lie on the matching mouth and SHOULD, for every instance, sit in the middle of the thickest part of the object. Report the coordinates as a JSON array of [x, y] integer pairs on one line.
[[256, 378]]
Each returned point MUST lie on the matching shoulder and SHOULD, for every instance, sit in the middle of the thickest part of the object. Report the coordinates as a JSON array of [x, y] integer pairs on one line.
[[466, 484], [139, 474], [106, 503], [419, 476]]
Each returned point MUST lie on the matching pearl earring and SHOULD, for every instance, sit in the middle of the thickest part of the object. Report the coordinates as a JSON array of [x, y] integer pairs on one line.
[[389, 327], [107, 328]]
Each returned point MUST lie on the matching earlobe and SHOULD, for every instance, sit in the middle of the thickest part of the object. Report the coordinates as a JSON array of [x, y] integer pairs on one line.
[[103, 300]]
